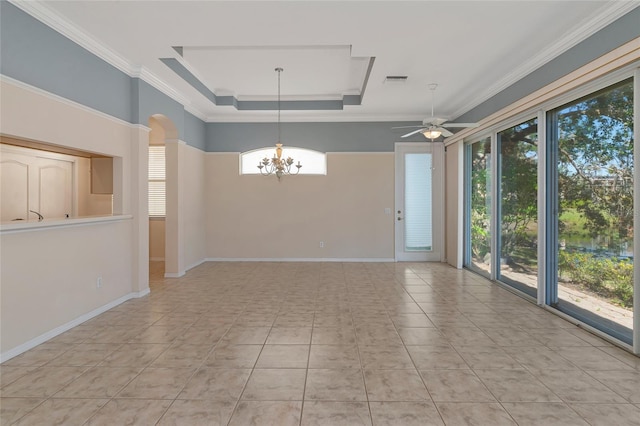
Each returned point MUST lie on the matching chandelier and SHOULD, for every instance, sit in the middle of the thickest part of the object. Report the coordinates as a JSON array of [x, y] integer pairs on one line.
[[277, 165]]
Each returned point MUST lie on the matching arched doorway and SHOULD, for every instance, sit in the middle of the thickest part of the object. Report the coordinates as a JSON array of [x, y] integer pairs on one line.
[[163, 193]]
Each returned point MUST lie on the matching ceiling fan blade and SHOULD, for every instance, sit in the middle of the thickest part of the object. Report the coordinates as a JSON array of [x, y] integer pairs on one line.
[[444, 132], [460, 125], [407, 127], [412, 133], [434, 121]]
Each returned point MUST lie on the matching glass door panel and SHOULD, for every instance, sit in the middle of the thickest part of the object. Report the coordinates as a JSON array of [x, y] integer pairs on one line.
[[518, 207], [479, 207], [418, 224], [594, 139]]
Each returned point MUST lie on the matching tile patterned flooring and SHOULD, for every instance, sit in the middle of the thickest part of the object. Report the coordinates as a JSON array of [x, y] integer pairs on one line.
[[323, 344]]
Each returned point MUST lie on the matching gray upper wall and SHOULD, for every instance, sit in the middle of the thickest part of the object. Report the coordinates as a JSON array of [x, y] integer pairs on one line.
[[325, 137], [39, 56], [621, 31], [35, 54], [149, 101], [195, 131]]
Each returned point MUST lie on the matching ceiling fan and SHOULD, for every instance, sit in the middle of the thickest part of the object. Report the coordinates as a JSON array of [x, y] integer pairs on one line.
[[434, 127]]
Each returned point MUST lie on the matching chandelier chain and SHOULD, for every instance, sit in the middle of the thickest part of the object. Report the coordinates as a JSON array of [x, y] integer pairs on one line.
[[277, 164], [279, 71]]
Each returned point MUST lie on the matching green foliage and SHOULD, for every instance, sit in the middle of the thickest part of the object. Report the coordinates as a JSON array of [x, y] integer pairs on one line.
[[594, 150], [480, 199], [595, 163], [518, 185], [608, 277]]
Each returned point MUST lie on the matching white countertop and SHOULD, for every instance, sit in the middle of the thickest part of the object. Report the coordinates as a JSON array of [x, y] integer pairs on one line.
[[34, 224]]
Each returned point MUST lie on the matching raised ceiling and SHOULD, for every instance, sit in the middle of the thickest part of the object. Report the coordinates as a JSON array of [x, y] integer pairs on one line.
[[216, 55]]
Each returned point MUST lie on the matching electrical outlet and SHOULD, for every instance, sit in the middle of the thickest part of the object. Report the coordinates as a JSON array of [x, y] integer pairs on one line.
[[99, 282], [321, 244]]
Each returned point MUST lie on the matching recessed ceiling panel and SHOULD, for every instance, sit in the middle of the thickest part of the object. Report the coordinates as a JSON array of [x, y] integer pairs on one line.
[[248, 72], [472, 49]]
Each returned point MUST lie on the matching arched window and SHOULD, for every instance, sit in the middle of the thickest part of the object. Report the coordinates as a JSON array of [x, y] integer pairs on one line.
[[313, 162]]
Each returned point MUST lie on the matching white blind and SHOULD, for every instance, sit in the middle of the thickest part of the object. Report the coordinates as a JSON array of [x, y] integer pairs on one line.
[[418, 208], [157, 184]]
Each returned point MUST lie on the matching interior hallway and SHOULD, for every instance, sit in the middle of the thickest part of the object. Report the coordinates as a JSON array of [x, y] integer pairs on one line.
[[323, 344]]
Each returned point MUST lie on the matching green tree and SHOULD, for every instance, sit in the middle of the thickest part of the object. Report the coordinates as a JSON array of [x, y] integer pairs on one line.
[[480, 199], [595, 162], [518, 185]]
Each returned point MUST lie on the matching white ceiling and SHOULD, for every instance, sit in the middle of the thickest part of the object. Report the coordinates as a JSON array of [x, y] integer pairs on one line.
[[472, 49]]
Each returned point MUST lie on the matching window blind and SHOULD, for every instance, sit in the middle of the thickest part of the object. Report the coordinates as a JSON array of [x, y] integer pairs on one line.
[[157, 184], [418, 196]]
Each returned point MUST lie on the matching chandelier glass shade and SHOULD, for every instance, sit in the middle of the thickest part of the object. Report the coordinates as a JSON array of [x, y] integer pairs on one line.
[[277, 165]]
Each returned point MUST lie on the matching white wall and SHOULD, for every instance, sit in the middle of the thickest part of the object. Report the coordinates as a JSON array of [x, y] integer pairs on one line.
[[194, 188], [156, 238], [49, 275], [257, 217], [454, 204]]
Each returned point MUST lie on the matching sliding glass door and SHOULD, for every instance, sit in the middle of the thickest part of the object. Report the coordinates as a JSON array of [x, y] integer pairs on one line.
[[478, 255], [518, 207], [576, 254], [592, 142]]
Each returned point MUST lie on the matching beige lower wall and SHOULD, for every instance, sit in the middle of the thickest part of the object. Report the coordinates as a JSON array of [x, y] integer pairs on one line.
[[257, 217], [48, 276], [193, 214], [156, 239]]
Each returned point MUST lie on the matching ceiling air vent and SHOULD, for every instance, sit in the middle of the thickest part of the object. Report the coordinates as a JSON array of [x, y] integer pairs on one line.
[[396, 79]]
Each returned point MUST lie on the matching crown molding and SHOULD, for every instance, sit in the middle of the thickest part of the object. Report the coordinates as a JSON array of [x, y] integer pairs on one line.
[[144, 74], [38, 9], [49, 17], [597, 21], [195, 112], [45, 14]]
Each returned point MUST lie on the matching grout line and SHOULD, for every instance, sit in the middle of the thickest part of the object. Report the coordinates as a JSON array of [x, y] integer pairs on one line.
[[404, 346], [244, 292]]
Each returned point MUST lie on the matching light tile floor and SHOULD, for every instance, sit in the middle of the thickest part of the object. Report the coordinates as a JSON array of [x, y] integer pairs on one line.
[[323, 344]]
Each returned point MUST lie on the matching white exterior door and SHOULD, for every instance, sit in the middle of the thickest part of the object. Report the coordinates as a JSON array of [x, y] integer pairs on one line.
[[419, 212]]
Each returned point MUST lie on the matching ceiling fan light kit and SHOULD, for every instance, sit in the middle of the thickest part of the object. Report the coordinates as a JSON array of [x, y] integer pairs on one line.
[[432, 128], [431, 134]]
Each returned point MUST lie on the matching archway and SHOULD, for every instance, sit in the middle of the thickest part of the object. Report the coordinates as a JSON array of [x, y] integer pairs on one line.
[[163, 187]]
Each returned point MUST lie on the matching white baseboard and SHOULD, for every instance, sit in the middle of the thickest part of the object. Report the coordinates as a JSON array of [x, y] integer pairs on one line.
[[11, 353], [141, 293], [300, 259], [181, 273], [198, 263]]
